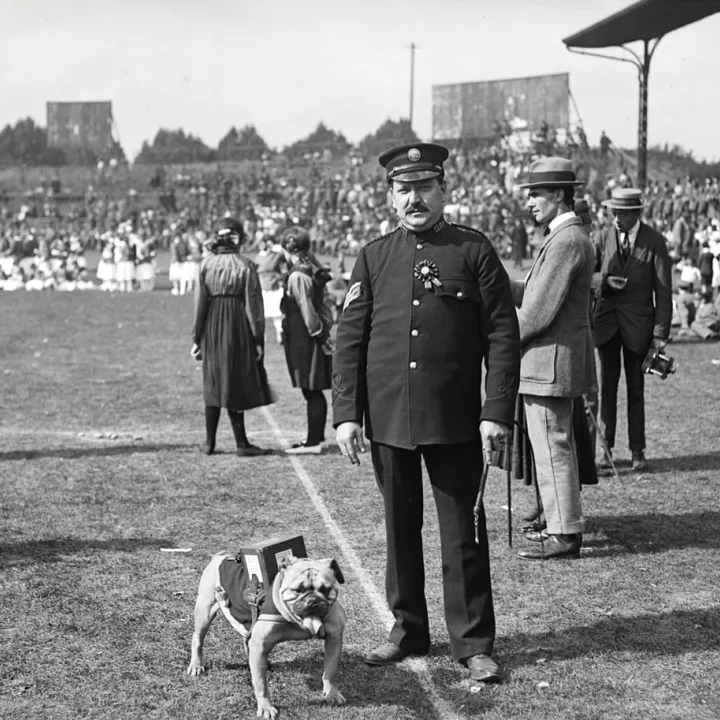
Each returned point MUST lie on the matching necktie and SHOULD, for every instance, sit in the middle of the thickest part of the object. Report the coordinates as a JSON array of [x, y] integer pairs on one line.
[[625, 246]]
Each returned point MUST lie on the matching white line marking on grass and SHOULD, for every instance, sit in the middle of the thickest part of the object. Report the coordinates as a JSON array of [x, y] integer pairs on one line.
[[417, 665]]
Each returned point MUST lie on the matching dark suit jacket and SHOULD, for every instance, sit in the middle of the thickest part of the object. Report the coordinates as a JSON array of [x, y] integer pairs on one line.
[[643, 308], [408, 358]]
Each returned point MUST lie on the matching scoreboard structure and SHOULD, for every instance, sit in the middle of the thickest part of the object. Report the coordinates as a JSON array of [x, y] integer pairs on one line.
[[478, 110], [80, 125]]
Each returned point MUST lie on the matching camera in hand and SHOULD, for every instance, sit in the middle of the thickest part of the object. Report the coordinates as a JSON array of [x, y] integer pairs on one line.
[[657, 363]]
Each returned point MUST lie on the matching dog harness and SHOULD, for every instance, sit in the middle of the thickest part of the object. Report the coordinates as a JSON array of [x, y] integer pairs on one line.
[[243, 602]]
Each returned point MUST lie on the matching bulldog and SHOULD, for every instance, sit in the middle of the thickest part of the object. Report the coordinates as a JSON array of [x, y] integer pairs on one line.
[[302, 606]]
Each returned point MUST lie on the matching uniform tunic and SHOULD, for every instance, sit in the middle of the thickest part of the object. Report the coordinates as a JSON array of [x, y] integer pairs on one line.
[[229, 325], [409, 359], [408, 363]]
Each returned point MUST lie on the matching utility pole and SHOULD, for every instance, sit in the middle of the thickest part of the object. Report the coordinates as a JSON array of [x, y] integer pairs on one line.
[[413, 47]]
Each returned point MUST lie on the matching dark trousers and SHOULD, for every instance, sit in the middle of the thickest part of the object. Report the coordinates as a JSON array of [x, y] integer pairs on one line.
[[610, 354], [316, 416], [454, 472]]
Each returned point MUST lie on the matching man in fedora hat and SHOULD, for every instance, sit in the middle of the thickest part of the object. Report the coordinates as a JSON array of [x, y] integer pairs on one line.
[[632, 282], [428, 304], [557, 353]]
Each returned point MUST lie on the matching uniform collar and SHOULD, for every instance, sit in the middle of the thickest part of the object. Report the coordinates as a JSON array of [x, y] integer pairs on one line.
[[436, 229]]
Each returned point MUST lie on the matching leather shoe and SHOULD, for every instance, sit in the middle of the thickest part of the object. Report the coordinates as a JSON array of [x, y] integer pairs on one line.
[[389, 653], [537, 535], [207, 448], [604, 462], [555, 547], [484, 669], [536, 526], [639, 463], [251, 451]]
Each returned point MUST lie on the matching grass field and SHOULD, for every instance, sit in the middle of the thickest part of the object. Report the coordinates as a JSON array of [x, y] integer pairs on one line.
[[102, 417]]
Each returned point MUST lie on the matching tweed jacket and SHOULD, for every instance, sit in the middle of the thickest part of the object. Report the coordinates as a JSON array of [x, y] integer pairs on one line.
[[553, 312], [643, 308], [409, 354]]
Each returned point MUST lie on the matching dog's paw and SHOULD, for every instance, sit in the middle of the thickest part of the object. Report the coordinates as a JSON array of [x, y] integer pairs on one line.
[[195, 669], [334, 697], [266, 710]]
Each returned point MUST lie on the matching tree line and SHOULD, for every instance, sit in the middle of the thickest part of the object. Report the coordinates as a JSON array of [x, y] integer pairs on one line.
[[25, 143]]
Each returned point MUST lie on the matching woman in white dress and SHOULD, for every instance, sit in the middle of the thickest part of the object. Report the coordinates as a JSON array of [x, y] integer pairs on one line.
[[106, 266], [124, 266], [145, 263]]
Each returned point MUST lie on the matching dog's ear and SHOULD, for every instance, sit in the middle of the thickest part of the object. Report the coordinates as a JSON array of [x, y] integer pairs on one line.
[[335, 568]]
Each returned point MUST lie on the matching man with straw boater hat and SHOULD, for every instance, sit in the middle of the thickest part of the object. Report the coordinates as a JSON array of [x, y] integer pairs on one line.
[[633, 285], [557, 353]]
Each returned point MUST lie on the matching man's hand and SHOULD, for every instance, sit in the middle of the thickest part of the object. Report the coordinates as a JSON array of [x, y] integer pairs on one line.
[[195, 352], [659, 344], [493, 435], [350, 439], [259, 353], [616, 282]]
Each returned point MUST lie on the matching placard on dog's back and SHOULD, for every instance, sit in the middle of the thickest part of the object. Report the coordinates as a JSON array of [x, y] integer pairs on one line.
[[262, 559]]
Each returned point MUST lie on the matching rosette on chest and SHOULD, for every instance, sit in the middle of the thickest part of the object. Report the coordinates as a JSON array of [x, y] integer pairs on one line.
[[427, 272]]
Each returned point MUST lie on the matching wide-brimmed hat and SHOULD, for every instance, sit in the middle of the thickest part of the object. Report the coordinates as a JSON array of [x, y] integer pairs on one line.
[[625, 199], [551, 172]]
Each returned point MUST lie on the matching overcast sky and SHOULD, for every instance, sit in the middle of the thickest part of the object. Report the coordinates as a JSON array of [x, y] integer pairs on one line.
[[284, 65]]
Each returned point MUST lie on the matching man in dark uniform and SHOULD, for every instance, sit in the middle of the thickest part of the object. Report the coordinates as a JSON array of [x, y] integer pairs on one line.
[[426, 304]]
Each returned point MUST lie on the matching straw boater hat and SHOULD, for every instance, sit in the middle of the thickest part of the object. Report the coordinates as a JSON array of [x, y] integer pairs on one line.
[[551, 172], [625, 199]]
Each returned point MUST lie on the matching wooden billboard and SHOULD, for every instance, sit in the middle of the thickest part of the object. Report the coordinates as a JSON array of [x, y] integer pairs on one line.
[[481, 110], [80, 125]]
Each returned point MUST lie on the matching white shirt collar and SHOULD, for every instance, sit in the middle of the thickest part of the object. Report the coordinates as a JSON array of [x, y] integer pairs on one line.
[[560, 219], [632, 233]]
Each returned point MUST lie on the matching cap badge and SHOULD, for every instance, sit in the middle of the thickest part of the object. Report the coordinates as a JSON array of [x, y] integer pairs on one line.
[[413, 154], [427, 272]]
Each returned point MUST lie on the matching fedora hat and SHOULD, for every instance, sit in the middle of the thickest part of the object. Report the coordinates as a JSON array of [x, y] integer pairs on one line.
[[551, 172], [625, 199]]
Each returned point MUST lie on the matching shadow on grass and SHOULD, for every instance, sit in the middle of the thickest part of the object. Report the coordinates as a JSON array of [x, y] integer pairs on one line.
[[379, 688], [49, 551], [67, 453], [687, 463], [673, 633], [652, 533]]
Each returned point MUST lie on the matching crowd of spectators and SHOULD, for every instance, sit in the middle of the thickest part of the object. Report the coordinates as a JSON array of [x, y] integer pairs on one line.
[[45, 234]]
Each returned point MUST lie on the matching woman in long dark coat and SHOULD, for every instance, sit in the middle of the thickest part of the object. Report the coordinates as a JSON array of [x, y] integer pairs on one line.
[[307, 319], [229, 336]]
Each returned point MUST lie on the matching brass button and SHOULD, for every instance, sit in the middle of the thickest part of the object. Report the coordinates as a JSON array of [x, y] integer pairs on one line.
[[416, 303], [419, 246], [414, 333], [413, 365], [459, 293]]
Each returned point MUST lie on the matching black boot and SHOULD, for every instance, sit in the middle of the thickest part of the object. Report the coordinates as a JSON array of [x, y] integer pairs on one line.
[[316, 415], [244, 448], [212, 418]]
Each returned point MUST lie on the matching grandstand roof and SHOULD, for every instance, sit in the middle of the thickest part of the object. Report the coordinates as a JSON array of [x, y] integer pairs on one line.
[[642, 20]]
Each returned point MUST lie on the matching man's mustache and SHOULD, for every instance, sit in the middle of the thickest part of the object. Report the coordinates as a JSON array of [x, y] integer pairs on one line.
[[417, 207]]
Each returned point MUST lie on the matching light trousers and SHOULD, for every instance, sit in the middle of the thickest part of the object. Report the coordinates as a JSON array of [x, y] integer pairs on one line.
[[550, 428]]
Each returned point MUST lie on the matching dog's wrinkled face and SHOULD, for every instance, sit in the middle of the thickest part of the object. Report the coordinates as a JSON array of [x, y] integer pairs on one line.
[[309, 587]]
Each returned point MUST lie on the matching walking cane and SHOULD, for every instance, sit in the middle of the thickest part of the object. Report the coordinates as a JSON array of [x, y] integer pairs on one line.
[[600, 437], [479, 500], [499, 456]]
